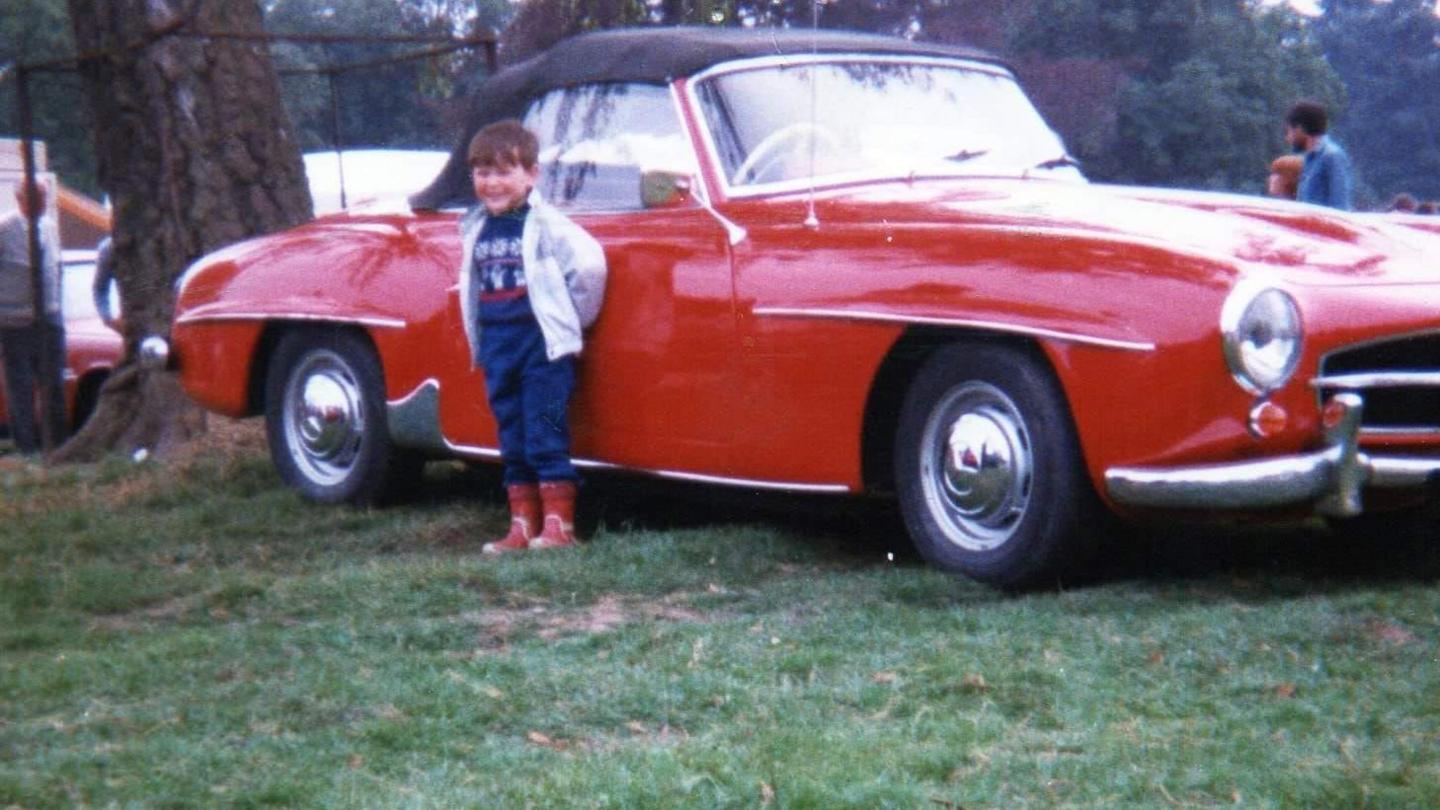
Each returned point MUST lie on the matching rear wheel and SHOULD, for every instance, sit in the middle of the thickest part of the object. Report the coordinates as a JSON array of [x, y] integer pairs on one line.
[[988, 469], [325, 418]]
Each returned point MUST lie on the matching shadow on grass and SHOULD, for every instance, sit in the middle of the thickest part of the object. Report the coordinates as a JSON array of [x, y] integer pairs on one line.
[[870, 532], [854, 531], [1283, 561]]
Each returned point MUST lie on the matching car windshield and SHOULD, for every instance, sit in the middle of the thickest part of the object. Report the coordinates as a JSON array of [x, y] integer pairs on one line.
[[832, 120]]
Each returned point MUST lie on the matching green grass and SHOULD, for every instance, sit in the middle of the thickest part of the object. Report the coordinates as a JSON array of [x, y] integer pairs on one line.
[[190, 634]]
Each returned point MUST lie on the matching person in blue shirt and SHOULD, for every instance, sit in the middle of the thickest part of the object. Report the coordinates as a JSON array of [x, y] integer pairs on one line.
[[1327, 177]]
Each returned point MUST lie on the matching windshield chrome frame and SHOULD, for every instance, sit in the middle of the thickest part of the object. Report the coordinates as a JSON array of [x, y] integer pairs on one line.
[[712, 152]]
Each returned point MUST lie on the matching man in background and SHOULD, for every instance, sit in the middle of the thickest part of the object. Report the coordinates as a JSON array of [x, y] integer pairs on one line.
[[25, 341], [1327, 177]]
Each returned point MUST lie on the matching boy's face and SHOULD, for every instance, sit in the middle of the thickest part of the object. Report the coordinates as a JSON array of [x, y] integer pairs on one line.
[[502, 188]]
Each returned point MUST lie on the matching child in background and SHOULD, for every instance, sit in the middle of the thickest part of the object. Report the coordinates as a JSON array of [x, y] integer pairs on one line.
[[530, 281], [1284, 178]]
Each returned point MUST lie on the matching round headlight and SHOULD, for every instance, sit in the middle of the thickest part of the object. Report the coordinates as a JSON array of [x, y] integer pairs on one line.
[[1261, 330]]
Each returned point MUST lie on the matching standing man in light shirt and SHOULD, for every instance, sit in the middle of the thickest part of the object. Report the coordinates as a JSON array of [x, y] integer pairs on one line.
[[25, 342], [1327, 177]]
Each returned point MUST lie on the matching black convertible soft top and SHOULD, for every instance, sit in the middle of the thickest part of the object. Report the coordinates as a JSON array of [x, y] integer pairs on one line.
[[652, 55]]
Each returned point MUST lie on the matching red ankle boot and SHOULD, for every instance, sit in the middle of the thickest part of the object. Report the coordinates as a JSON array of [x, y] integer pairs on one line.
[[558, 501], [524, 517]]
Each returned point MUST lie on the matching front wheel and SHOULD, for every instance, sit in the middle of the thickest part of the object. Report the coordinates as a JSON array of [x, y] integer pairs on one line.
[[325, 418], [988, 469]]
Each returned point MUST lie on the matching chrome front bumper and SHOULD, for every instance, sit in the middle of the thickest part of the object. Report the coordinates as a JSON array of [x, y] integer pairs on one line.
[[1330, 478]]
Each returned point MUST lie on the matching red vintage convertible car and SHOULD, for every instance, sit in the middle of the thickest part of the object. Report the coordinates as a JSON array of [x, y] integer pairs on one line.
[[849, 264]]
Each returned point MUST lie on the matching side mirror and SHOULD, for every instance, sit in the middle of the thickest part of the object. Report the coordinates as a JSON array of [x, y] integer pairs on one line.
[[664, 189]]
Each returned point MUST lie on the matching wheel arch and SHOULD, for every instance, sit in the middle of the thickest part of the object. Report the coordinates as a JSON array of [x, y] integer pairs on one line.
[[269, 341], [892, 381]]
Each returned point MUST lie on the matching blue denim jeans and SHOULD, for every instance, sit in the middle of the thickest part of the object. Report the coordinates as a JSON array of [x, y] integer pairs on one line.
[[530, 397]]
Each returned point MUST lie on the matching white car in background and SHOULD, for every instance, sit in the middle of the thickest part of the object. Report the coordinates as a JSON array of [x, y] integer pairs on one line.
[[361, 177]]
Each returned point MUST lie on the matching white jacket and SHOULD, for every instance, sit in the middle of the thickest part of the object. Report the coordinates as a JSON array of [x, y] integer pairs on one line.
[[564, 276]]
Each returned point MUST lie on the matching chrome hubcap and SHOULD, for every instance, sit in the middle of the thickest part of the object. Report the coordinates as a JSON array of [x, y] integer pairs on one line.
[[976, 468], [324, 417]]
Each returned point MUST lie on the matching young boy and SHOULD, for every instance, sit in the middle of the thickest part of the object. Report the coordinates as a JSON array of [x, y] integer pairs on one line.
[[530, 281]]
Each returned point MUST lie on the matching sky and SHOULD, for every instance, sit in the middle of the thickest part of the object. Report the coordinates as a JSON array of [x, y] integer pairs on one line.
[[1309, 7]]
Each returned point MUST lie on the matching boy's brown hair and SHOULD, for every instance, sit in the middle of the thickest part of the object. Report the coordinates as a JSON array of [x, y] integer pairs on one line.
[[504, 144]]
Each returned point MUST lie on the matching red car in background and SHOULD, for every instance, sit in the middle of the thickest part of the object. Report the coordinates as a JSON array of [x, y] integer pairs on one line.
[[92, 348], [858, 265]]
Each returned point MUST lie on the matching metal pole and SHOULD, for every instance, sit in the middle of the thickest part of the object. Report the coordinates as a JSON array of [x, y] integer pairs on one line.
[[335, 135], [52, 391]]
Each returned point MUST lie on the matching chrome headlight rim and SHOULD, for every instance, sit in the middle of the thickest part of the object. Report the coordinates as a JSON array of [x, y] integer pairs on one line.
[[1236, 320]]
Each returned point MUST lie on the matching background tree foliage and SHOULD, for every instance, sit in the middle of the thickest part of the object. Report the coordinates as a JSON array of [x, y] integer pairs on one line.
[[1198, 86], [1388, 55], [402, 105], [34, 31]]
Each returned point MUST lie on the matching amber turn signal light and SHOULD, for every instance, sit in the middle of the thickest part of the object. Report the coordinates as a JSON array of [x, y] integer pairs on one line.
[[1267, 419]]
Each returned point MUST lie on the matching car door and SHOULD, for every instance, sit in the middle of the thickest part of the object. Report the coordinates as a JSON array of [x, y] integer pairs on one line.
[[656, 389]]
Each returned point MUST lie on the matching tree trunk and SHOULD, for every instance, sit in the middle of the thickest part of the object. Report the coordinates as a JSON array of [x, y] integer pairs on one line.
[[195, 150]]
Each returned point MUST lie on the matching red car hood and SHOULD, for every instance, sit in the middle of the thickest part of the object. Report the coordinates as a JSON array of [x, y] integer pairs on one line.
[[1303, 244]]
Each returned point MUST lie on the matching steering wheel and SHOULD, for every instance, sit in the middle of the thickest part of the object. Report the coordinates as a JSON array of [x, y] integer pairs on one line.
[[766, 154]]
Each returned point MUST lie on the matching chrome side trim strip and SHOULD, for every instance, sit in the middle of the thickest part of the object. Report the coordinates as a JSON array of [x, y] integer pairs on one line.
[[788, 486], [471, 450], [886, 317], [591, 464], [1381, 379], [379, 323]]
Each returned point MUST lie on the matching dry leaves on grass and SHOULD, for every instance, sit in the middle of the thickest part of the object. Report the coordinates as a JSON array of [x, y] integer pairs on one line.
[[497, 626], [546, 741], [387, 711], [975, 682], [225, 442], [17, 473], [663, 733], [169, 610], [1388, 632]]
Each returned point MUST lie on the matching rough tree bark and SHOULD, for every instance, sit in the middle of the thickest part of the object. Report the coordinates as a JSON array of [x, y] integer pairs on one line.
[[195, 150]]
